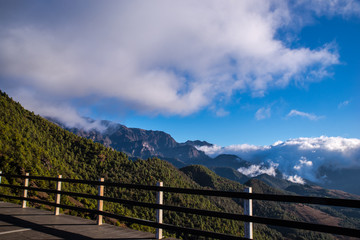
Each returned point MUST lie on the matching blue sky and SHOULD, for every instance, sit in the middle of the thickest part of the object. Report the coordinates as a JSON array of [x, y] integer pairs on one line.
[[228, 72]]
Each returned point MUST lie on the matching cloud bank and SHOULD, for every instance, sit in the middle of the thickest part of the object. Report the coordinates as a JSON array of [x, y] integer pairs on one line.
[[298, 159], [256, 170], [158, 57], [295, 179]]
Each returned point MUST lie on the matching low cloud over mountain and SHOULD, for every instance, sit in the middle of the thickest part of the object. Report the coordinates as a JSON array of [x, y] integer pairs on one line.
[[315, 159]]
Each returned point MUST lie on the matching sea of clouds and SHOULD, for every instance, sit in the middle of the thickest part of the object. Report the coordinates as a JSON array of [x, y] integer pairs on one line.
[[297, 159]]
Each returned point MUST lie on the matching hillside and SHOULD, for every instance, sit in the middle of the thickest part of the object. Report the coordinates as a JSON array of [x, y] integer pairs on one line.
[[230, 173]]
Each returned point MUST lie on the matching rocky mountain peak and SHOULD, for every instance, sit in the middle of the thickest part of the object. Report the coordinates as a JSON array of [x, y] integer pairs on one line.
[[141, 143]]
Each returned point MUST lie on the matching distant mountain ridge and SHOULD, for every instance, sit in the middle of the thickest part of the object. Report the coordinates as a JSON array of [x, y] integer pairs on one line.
[[140, 143], [143, 144], [198, 143]]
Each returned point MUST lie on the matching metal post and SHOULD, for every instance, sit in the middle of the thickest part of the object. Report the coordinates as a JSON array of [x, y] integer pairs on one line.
[[58, 195], [159, 212], [26, 184], [248, 211], [100, 202], [0, 176]]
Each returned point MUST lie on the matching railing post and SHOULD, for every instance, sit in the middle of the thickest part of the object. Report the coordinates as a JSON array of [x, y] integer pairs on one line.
[[26, 184], [58, 195], [100, 202], [248, 211], [159, 212], [0, 176]]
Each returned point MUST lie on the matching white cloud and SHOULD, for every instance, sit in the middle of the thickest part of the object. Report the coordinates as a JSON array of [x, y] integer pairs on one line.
[[246, 147], [64, 113], [256, 170], [263, 113], [343, 104], [294, 113], [295, 179], [158, 57], [215, 150], [303, 162], [334, 144], [278, 143], [301, 156], [222, 112], [345, 8]]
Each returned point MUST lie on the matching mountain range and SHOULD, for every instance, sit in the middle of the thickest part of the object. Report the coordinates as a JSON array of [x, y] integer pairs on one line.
[[143, 144]]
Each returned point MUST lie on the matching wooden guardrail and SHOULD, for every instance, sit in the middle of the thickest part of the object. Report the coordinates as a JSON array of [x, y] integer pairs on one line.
[[159, 206]]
